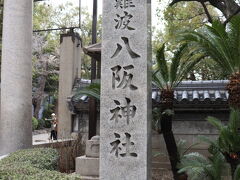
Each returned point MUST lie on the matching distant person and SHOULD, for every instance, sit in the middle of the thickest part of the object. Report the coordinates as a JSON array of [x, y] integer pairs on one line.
[[53, 135]]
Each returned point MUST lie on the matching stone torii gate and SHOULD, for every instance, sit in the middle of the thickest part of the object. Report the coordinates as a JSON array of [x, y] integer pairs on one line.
[[16, 77]]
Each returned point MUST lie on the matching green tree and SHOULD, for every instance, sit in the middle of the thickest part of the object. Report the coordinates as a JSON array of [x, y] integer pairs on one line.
[[228, 8], [166, 76], [228, 141], [46, 46], [186, 16], [225, 149], [86, 35], [220, 43], [46, 49]]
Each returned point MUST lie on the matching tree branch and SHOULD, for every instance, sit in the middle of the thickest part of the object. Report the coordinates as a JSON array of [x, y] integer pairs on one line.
[[177, 1], [231, 16], [227, 7], [207, 12], [192, 17]]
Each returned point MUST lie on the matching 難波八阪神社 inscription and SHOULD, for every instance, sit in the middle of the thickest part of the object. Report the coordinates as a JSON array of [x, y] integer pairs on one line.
[[124, 81], [123, 149], [128, 111], [123, 21], [129, 49], [124, 4], [125, 100]]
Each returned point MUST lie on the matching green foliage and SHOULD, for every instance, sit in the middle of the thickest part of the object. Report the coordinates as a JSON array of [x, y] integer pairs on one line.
[[52, 84], [32, 164], [182, 16], [156, 117], [41, 124], [92, 90], [86, 35], [221, 43], [182, 148], [199, 167], [34, 123], [229, 138], [47, 114], [42, 158], [168, 74], [237, 173], [186, 16], [42, 15]]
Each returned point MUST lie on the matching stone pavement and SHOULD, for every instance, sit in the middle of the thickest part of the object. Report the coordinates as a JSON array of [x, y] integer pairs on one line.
[[41, 138]]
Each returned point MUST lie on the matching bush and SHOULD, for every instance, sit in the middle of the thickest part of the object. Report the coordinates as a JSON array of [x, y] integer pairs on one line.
[[47, 114], [32, 164], [42, 158], [41, 124], [34, 123]]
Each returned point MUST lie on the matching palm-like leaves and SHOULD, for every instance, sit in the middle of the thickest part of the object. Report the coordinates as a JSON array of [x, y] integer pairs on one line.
[[229, 138], [169, 75], [92, 90], [221, 43], [237, 173], [199, 167]]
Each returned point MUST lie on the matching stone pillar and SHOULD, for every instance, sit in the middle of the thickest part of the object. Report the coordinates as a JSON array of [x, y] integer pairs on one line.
[[125, 128], [88, 166], [16, 77], [69, 65]]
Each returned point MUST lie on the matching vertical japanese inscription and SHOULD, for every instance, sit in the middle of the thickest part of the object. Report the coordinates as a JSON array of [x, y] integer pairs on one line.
[[125, 81], [119, 111], [118, 146], [123, 21], [124, 4], [127, 46], [122, 78], [124, 124]]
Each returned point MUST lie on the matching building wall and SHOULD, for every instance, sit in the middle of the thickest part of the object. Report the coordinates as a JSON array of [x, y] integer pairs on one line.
[[187, 125]]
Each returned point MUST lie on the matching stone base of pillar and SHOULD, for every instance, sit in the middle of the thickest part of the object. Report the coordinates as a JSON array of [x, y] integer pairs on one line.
[[88, 166], [89, 178]]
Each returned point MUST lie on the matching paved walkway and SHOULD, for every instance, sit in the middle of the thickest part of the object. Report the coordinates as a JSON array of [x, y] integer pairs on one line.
[[38, 138], [41, 138]]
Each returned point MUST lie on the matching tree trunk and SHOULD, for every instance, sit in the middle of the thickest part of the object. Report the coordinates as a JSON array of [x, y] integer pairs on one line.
[[233, 88], [227, 7], [167, 98], [166, 123], [233, 160]]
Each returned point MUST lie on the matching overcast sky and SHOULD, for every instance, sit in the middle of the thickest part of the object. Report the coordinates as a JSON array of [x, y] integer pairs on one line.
[[89, 3]]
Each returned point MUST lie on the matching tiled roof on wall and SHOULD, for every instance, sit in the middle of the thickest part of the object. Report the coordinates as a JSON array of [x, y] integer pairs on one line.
[[188, 94], [194, 92]]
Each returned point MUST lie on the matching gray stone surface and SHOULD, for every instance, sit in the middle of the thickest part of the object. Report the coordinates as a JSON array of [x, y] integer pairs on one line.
[[69, 71], [89, 178], [92, 147], [125, 144], [87, 166], [16, 77]]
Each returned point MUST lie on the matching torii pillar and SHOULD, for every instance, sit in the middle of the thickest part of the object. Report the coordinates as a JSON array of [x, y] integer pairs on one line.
[[16, 77]]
